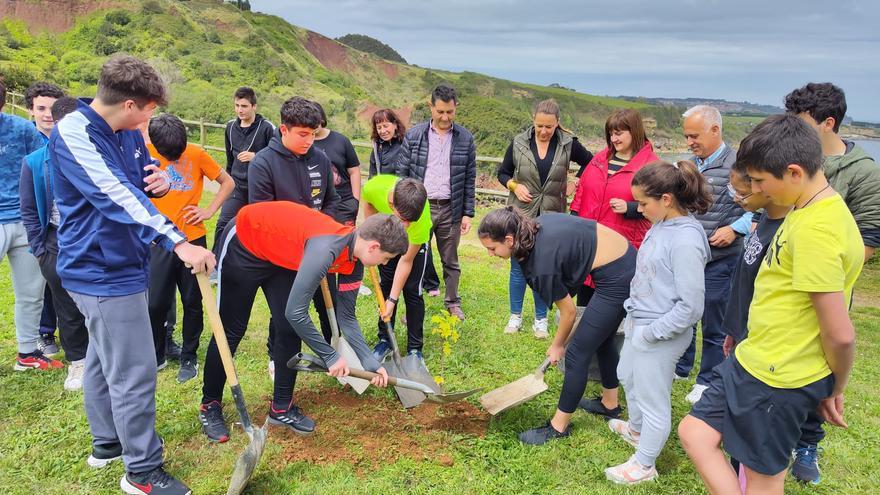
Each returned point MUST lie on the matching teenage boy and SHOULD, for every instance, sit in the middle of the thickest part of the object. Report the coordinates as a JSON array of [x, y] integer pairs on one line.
[[285, 249], [856, 177], [406, 199], [38, 99], [801, 342], [41, 219], [19, 138], [245, 135], [291, 169], [103, 178], [187, 166]]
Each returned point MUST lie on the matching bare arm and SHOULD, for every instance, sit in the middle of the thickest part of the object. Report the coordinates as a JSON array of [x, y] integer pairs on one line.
[[567, 316], [838, 342]]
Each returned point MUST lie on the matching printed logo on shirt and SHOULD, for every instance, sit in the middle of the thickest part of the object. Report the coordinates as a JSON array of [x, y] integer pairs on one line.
[[180, 173], [137, 153], [773, 251], [314, 174], [753, 249], [312, 167], [316, 191], [316, 183]]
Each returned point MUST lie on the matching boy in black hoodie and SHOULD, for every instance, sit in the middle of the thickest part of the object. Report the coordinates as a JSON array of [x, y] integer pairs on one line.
[[291, 169]]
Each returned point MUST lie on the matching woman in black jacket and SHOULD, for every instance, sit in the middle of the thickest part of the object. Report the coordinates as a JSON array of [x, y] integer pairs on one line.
[[387, 136]]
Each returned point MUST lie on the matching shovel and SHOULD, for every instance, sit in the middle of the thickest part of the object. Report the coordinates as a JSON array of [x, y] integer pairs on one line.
[[516, 393], [247, 461], [408, 397], [341, 345], [314, 364]]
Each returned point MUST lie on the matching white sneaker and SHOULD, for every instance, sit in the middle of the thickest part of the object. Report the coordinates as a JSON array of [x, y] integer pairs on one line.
[[630, 472], [364, 291], [540, 328], [75, 371], [513, 324], [694, 396], [272, 370]]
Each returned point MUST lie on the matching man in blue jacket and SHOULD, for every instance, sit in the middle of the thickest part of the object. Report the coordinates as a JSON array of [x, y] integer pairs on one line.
[[103, 178], [41, 220], [18, 137]]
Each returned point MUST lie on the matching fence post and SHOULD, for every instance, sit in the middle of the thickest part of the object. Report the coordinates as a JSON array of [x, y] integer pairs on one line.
[[203, 138]]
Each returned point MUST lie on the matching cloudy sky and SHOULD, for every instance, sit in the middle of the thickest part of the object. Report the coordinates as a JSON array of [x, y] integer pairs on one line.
[[736, 50]]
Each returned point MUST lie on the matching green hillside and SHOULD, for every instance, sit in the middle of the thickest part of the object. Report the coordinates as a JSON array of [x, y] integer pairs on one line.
[[205, 49]]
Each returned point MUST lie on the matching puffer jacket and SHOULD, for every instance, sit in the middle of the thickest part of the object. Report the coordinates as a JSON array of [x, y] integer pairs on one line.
[[724, 211], [412, 161]]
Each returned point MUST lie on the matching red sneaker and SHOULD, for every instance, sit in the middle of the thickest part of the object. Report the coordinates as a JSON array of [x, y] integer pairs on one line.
[[36, 361]]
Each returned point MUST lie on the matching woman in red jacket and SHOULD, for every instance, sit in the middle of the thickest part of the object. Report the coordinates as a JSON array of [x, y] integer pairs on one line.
[[604, 195]]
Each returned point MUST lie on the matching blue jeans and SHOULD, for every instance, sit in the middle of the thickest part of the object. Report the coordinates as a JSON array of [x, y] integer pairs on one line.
[[518, 292], [719, 274]]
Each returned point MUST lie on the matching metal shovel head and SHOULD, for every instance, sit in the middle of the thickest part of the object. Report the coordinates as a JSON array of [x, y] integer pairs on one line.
[[408, 397], [247, 461], [347, 352], [448, 398], [416, 371], [515, 393]]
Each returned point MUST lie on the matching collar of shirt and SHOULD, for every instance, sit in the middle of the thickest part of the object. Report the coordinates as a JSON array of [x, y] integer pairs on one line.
[[702, 163], [434, 130]]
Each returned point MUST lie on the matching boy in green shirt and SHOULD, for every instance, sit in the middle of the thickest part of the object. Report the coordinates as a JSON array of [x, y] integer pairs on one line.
[[801, 342], [407, 199]]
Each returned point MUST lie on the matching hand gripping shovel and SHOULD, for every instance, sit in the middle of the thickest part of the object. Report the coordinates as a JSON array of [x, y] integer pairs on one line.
[[516, 393], [314, 364], [408, 397], [341, 345], [247, 461], [412, 366]]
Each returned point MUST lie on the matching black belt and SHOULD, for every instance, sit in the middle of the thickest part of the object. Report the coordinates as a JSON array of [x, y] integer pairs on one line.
[[438, 202]]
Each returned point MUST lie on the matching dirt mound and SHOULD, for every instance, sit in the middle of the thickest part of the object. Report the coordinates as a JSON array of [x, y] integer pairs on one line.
[[54, 15], [331, 54], [368, 431]]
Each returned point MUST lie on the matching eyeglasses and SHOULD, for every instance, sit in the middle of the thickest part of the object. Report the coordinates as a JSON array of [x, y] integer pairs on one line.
[[735, 195]]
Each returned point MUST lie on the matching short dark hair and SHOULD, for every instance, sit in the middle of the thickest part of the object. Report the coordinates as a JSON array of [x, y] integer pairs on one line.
[[409, 198], [2, 94], [388, 230], [245, 93], [820, 101], [777, 142], [323, 114], [300, 112], [63, 106], [168, 135], [41, 89], [387, 115], [444, 93], [124, 77]]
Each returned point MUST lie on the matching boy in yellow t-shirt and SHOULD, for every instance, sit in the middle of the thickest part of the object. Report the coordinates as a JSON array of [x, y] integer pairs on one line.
[[800, 345], [186, 166]]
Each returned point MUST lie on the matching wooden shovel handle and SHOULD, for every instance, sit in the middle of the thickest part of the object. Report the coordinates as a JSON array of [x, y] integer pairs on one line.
[[325, 291], [210, 304], [380, 298]]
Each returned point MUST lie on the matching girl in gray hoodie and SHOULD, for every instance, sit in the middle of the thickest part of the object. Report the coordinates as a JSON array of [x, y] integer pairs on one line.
[[666, 300]]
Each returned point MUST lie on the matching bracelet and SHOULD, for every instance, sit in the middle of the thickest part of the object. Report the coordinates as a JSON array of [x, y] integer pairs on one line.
[[511, 185], [392, 300]]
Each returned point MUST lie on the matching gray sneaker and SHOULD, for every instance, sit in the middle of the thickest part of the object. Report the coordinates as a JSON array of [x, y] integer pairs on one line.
[[47, 345], [189, 368]]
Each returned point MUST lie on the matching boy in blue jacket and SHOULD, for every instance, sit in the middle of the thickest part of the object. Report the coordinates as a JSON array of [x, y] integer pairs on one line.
[[104, 178]]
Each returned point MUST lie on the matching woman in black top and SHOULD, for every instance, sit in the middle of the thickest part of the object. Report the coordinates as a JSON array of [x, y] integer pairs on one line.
[[346, 169], [557, 252], [387, 136], [535, 170]]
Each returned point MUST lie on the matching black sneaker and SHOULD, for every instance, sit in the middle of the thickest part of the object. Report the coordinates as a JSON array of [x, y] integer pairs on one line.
[[211, 417], [292, 418], [155, 482], [102, 455], [595, 406], [47, 345], [172, 349], [189, 368], [543, 434]]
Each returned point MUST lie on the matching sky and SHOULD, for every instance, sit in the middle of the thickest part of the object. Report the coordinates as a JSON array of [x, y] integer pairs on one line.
[[743, 50]]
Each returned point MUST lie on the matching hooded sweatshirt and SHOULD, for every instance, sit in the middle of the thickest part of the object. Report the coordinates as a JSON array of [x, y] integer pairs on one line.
[[668, 288], [856, 177], [18, 138], [237, 139], [277, 174]]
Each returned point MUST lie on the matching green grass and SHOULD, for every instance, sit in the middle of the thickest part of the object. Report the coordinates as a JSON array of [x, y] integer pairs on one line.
[[44, 437]]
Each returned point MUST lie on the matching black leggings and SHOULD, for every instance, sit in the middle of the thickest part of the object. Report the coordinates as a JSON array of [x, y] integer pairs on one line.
[[412, 296], [596, 331]]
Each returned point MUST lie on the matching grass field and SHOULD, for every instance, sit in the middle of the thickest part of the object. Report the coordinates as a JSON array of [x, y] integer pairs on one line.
[[368, 445]]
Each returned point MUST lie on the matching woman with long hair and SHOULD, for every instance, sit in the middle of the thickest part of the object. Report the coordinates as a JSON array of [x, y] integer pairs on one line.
[[387, 131]]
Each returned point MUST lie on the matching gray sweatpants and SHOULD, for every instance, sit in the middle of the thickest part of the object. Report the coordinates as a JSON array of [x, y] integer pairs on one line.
[[28, 285], [119, 384], [645, 371]]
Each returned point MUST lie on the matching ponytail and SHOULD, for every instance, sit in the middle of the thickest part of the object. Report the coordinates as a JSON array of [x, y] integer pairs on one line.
[[682, 180], [510, 221]]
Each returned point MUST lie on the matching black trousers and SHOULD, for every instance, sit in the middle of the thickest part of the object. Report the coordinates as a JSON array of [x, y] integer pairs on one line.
[[596, 330], [167, 275], [318, 301], [241, 275], [431, 280], [72, 329], [236, 201], [48, 318], [412, 296]]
